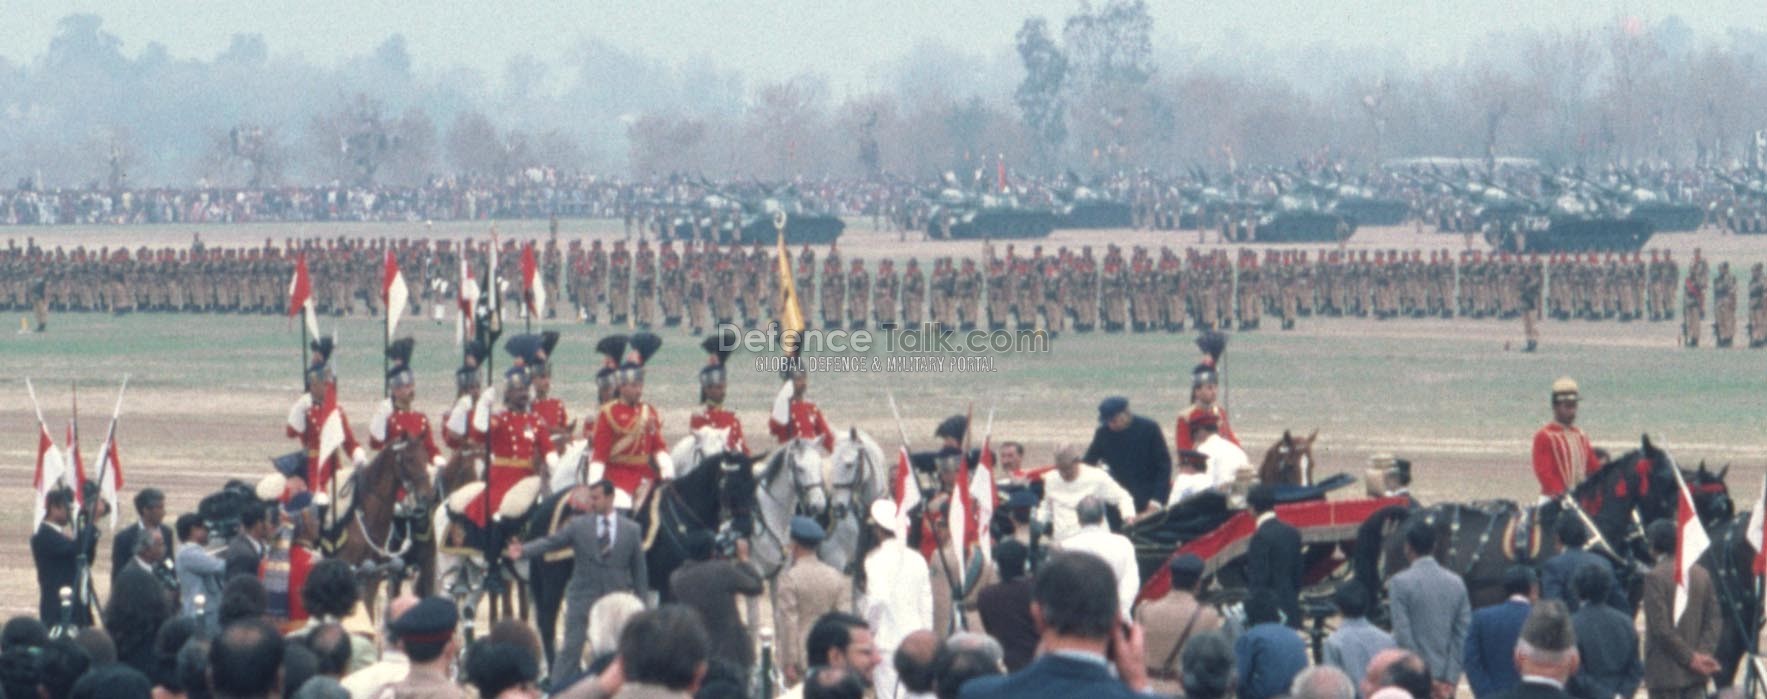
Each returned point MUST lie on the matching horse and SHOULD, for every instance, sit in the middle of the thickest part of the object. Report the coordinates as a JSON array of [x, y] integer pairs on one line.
[[1730, 561], [377, 528], [791, 483], [1289, 461], [859, 476], [1479, 541]]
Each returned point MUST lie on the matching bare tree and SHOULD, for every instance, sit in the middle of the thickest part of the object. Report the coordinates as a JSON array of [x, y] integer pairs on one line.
[[251, 148]]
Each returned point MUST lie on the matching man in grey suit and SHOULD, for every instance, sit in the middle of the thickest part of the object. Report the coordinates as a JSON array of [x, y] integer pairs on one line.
[[199, 572], [607, 556], [1430, 610]]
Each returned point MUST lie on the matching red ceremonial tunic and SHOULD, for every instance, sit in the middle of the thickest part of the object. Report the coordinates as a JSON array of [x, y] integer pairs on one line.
[[806, 423], [1183, 427], [625, 439], [1562, 457], [408, 424], [514, 440], [716, 417], [553, 410], [309, 436]]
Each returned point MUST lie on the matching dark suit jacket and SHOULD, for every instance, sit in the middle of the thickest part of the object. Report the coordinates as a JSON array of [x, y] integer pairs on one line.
[[1608, 645], [122, 548], [1051, 677], [1273, 562], [1137, 457], [1533, 690], [241, 559], [592, 574], [57, 557], [711, 587], [1005, 609], [1556, 576], [1490, 647], [1668, 646]]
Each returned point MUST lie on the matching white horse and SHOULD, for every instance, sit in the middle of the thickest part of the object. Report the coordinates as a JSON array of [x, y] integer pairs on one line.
[[789, 483], [704, 443], [858, 476]]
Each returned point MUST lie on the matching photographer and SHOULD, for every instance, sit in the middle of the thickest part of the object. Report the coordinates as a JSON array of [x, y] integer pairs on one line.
[[709, 585]]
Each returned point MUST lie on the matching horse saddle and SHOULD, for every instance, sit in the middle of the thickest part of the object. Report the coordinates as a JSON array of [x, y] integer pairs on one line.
[[1524, 538]]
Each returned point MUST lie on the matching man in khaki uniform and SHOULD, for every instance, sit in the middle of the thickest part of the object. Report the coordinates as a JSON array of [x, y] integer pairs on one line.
[[858, 295], [1724, 306], [913, 294], [885, 293], [1171, 621], [808, 589], [1757, 307]]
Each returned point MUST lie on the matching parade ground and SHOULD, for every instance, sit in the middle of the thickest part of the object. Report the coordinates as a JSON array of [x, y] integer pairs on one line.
[[208, 394]]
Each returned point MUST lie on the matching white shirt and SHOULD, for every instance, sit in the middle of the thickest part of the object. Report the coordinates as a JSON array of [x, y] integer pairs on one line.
[[1061, 496], [1226, 459], [898, 593], [1117, 552], [1188, 484], [366, 682]]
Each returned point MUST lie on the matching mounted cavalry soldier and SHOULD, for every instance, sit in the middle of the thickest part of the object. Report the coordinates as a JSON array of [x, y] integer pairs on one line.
[[537, 358], [394, 420], [306, 419], [1563, 455], [712, 379], [628, 434], [456, 422], [794, 416], [1204, 394], [516, 437]]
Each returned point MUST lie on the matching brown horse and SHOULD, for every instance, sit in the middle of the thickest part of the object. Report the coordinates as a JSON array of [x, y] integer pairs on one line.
[[377, 526], [1289, 461]]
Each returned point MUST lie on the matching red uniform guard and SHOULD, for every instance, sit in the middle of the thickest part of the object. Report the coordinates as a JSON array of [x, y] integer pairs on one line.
[[1563, 455], [628, 432]]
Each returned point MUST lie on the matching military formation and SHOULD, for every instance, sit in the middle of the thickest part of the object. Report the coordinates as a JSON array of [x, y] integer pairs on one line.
[[701, 285]]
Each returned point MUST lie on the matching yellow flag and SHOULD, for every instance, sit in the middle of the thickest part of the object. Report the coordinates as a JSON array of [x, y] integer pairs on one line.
[[791, 321]]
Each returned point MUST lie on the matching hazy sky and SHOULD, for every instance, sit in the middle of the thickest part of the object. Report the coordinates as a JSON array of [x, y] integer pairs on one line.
[[848, 41]]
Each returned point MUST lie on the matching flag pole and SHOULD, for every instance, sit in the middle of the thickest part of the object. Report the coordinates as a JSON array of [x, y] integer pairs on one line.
[[82, 516]]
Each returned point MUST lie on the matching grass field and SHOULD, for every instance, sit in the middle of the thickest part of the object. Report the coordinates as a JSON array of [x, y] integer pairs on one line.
[[208, 394]]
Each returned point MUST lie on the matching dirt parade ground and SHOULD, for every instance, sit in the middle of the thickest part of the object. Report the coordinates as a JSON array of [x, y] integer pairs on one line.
[[208, 394]]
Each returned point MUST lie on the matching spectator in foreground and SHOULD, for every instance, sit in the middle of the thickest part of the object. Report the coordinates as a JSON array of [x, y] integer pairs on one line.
[[1490, 643], [1269, 654], [1083, 637], [1322, 682], [245, 662], [502, 671], [1355, 642], [426, 634], [1430, 610], [964, 657], [1545, 654], [1607, 642], [1005, 606], [1206, 667]]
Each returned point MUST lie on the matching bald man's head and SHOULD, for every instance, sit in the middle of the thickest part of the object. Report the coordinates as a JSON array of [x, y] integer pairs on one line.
[[914, 660], [1376, 675]]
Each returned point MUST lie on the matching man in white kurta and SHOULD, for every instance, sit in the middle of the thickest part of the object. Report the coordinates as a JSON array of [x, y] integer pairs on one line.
[[1096, 538], [1071, 482], [898, 594]]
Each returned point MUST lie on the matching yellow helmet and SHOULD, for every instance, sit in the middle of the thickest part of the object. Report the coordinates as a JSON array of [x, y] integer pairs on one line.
[[1564, 389]]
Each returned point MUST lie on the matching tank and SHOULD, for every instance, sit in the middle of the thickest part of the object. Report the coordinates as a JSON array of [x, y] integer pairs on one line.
[[1085, 207], [961, 216], [1297, 218], [803, 226]]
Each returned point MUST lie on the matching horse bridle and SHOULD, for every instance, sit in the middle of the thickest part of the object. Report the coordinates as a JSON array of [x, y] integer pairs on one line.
[[861, 478]]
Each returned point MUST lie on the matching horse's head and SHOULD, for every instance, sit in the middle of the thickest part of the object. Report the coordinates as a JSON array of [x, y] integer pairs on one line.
[[1711, 496], [710, 441], [858, 465], [805, 462], [736, 485], [412, 469], [1289, 461]]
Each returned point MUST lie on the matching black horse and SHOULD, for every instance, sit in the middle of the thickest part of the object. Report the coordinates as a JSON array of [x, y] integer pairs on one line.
[[1480, 540], [720, 489]]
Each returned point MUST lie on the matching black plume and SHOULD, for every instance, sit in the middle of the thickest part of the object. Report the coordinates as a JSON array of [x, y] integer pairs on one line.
[[322, 348], [548, 340], [522, 346], [400, 350], [613, 347], [1213, 344], [645, 344], [477, 351], [716, 345]]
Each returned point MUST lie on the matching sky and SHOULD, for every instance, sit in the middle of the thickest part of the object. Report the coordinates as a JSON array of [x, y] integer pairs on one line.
[[851, 42]]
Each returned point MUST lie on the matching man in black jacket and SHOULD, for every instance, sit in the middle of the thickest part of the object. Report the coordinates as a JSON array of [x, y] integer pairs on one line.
[[150, 507], [245, 551], [1607, 642], [56, 554], [1274, 556], [1133, 449], [1546, 654]]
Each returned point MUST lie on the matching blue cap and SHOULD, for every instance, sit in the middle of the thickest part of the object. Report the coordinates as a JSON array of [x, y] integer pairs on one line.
[[1188, 563], [806, 531], [1022, 498], [1110, 407], [431, 620], [298, 502]]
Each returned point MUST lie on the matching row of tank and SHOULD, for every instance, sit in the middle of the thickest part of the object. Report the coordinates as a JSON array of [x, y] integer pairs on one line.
[[1526, 209]]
